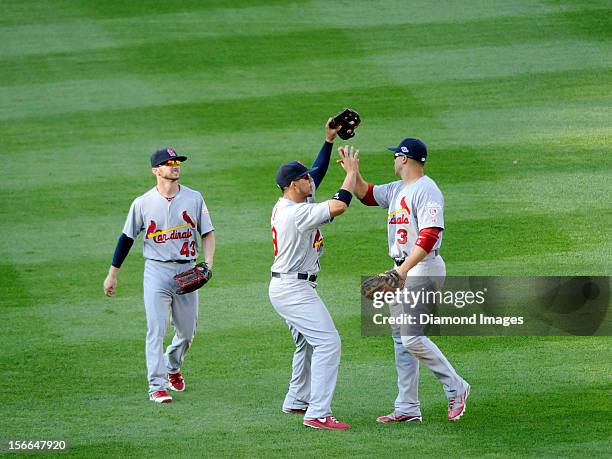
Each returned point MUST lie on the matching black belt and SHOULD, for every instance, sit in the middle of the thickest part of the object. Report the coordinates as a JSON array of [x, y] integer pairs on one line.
[[300, 276], [400, 261], [182, 262]]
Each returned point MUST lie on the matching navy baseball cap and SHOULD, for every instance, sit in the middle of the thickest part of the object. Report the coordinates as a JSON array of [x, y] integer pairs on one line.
[[289, 172], [163, 155], [412, 148]]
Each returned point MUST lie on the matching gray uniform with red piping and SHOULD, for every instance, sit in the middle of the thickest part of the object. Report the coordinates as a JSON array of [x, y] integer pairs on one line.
[[173, 228], [412, 208], [298, 244]]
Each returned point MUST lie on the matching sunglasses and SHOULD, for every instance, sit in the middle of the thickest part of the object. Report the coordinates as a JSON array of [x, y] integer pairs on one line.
[[307, 177], [397, 155], [171, 162]]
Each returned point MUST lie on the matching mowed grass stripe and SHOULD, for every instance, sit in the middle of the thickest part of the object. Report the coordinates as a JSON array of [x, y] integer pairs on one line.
[[176, 121], [66, 26], [48, 13], [593, 260], [444, 65], [230, 51], [492, 61], [88, 159], [82, 26]]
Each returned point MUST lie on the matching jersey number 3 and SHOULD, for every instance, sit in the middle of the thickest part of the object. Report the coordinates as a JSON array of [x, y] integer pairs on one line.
[[403, 236], [275, 241], [188, 249]]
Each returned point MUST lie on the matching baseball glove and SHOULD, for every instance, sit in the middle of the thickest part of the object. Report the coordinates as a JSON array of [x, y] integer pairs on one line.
[[193, 279], [349, 120], [388, 281]]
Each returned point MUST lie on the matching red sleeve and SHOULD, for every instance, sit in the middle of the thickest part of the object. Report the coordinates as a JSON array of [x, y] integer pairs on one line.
[[428, 238], [368, 199]]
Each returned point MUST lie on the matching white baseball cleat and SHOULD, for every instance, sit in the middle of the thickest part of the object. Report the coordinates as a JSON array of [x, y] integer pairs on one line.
[[398, 417]]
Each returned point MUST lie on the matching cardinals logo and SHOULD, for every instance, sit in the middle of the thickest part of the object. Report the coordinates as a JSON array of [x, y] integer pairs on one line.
[[160, 236], [188, 219], [399, 217], [151, 229], [404, 206]]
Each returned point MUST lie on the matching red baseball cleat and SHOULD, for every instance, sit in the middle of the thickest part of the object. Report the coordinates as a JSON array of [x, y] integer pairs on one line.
[[294, 411], [397, 417], [161, 396], [456, 406], [176, 382], [328, 422]]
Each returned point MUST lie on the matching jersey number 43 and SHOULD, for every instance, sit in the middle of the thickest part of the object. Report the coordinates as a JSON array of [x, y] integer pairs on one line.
[[188, 249]]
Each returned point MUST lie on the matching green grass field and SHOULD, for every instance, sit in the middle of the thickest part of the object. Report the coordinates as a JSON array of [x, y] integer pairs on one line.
[[513, 100]]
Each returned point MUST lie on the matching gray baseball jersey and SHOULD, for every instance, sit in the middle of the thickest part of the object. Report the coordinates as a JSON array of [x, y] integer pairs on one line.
[[411, 208], [172, 227], [297, 238], [298, 244]]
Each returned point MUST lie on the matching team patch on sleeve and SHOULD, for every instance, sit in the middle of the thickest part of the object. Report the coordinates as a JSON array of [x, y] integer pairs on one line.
[[434, 209]]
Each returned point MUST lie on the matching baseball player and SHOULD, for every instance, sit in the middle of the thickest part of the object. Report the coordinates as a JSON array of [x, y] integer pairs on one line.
[[173, 216], [298, 244], [415, 223]]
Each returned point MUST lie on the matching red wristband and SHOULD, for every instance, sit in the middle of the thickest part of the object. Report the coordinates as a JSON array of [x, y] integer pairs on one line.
[[428, 238]]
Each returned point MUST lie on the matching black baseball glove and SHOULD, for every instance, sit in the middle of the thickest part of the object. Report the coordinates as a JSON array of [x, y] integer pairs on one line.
[[349, 120], [193, 279], [388, 281]]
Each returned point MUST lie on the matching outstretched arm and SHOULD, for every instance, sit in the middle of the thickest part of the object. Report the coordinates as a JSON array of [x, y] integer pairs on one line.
[[321, 162], [341, 200]]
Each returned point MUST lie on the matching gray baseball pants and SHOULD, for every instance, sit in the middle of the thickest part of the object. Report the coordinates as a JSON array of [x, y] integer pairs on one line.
[[163, 306], [409, 350], [317, 346]]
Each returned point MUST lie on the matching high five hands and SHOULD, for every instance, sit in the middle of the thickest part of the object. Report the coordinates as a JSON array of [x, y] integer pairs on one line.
[[349, 158]]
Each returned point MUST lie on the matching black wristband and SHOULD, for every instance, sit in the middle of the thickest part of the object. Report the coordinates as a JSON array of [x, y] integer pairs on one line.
[[344, 196]]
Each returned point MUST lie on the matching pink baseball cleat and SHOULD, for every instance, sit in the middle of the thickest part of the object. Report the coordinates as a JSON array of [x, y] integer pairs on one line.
[[456, 406]]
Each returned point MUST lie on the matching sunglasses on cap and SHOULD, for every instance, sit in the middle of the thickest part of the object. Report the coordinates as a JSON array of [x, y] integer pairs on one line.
[[171, 162]]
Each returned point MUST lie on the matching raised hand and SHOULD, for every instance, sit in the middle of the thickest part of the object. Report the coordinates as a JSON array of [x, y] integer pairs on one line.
[[349, 158]]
